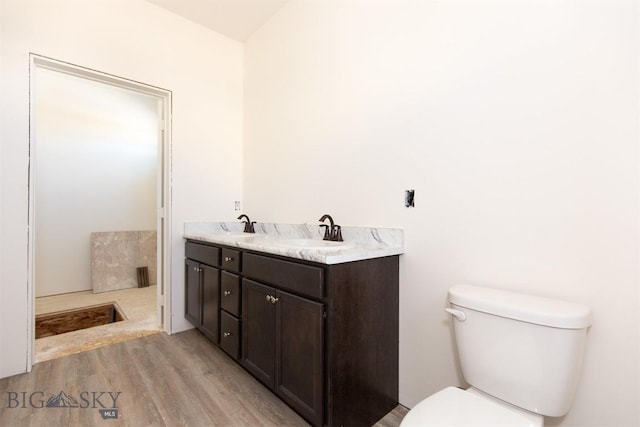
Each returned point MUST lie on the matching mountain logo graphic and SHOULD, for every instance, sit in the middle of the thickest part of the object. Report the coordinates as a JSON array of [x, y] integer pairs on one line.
[[62, 400]]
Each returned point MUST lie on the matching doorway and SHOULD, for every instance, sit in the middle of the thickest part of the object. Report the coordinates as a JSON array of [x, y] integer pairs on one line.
[[155, 169]]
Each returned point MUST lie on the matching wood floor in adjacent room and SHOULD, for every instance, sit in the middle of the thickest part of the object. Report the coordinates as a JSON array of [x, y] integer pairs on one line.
[[176, 380]]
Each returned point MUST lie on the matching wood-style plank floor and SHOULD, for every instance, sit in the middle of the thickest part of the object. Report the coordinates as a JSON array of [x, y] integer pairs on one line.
[[162, 380]]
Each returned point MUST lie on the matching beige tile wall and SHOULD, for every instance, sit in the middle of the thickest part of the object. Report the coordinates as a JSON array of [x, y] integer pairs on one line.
[[116, 255]]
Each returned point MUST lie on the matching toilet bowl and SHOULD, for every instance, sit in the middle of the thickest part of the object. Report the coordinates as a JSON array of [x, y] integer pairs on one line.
[[521, 354]]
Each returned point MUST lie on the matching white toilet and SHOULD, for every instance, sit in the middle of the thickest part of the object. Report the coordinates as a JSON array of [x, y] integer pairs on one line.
[[522, 356]]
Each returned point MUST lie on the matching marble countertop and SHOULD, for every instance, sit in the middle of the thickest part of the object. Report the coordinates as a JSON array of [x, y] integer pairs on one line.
[[302, 241]]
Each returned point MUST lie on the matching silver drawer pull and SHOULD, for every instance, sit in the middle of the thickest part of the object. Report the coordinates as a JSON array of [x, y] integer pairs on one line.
[[269, 298], [226, 334], [228, 258], [227, 293]]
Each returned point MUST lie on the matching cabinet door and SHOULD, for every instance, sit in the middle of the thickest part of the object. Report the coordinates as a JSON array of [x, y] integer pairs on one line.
[[300, 354], [193, 298], [210, 302], [258, 331]]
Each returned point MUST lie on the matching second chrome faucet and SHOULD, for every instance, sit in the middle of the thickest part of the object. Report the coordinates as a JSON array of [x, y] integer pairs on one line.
[[332, 231]]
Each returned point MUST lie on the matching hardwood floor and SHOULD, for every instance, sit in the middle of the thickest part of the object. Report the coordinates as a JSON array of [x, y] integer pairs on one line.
[[162, 380]]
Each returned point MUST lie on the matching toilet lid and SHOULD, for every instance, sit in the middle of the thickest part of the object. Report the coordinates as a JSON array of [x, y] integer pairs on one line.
[[453, 407]]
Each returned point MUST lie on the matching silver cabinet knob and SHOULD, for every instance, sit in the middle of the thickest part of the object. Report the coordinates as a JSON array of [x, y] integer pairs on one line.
[[228, 258], [226, 334], [227, 293]]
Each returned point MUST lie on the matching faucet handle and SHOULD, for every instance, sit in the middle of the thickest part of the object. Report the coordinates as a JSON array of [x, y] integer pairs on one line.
[[327, 235], [337, 236]]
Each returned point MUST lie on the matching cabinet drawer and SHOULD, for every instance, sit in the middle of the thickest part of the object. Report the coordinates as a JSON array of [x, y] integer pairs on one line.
[[231, 260], [230, 334], [203, 253], [230, 293], [301, 278]]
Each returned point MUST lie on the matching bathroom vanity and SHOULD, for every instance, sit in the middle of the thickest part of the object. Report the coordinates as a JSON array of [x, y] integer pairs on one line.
[[319, 331]]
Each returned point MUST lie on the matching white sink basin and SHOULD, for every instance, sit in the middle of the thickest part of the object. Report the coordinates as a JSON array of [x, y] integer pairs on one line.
[[240, 235], [312, 244]]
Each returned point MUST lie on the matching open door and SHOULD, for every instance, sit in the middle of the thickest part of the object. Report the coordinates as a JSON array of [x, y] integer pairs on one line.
[[163, 100]]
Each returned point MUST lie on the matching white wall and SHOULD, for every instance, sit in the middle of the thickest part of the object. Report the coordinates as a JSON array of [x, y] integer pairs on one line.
[[96, 156], [517, 125], [139, 41]]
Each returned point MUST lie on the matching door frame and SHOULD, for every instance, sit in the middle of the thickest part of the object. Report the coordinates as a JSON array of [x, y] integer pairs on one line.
[[164, 185]]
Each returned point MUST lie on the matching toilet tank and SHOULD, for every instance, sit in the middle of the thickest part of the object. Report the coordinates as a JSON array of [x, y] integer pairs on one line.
[[522, 349]]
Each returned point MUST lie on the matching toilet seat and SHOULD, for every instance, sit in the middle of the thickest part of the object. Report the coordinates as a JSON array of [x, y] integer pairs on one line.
[[454, 407]]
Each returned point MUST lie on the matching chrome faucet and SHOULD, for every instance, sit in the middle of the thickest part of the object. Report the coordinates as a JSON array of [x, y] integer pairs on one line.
[[248, 225], [332, 231]]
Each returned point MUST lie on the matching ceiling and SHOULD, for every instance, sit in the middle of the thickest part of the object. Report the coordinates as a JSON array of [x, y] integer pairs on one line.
[[237, 19]]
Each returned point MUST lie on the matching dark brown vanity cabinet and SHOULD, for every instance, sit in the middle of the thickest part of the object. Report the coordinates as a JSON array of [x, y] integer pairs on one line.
[[283, 346], [202, 289], [324, 338]]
